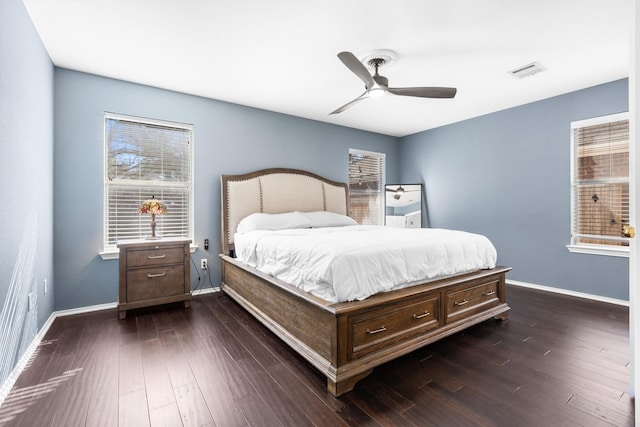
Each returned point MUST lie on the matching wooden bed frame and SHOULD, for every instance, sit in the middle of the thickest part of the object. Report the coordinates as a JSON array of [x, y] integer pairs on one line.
[[345, 341]]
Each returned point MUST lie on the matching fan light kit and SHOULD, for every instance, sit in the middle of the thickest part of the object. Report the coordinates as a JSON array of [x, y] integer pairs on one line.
[[377, 85]]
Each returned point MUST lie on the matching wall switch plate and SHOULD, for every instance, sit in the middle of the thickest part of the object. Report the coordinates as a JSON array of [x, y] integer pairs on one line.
[[30, 302], [45, 286], [203, 264]]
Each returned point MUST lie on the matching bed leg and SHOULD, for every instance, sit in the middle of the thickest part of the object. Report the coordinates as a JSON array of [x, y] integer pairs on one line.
[[502, 316], [345, 385]]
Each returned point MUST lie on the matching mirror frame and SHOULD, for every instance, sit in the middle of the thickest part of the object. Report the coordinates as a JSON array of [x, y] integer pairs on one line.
[[389, 197]]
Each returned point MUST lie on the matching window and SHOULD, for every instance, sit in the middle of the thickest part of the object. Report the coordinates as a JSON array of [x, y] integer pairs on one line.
[[366, 187], [146, 158], [600, 185]]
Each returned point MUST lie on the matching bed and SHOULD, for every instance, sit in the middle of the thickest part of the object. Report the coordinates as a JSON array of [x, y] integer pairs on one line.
[[345, 340]]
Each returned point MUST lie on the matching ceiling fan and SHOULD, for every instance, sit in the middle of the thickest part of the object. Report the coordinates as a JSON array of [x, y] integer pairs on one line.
[[378, 85], [399, 191]]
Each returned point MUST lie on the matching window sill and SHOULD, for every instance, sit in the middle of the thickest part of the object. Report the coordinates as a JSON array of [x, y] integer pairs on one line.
[[107, 255], [115, 253], [599, 250]]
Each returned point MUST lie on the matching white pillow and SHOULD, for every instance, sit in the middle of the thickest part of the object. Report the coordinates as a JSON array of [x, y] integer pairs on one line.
[[329, 219], [264, 221]]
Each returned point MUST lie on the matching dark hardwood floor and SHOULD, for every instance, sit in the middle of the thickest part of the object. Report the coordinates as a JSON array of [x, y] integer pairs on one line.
[[557, 361]]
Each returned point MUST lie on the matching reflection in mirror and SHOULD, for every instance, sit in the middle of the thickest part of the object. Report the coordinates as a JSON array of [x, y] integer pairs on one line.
[[403, 205]]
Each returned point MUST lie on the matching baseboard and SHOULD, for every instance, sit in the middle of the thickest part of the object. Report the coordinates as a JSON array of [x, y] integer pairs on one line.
[[110, 305], [569, 293], [88, 309], [205, 291], [7, 385], [17, 370]]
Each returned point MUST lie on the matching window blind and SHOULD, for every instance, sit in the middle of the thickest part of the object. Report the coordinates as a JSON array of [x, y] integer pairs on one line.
[[366, 187], [145, 158], [600, 181]]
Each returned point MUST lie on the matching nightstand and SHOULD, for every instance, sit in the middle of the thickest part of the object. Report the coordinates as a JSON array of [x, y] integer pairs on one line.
[[153, 272]]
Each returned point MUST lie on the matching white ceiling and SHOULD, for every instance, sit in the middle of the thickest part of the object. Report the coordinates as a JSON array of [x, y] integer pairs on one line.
[[280, 55]]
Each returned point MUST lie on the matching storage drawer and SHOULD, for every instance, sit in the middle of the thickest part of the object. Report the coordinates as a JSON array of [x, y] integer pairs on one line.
[[372, 330], [155, 282], [157, 256], [468, 301]]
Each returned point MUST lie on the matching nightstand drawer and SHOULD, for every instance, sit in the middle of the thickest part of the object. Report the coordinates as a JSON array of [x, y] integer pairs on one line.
[[155, 282], [156, 256]]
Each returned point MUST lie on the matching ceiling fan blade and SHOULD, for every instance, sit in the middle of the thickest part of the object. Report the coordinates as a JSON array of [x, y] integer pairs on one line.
[[424, 92], [350, 104], [352, 63]]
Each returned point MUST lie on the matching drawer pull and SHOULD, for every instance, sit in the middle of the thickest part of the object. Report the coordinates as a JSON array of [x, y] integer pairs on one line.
[[152, 276], [488, 293], [420, 316], [156, 256], [459, 303], [375, 331]]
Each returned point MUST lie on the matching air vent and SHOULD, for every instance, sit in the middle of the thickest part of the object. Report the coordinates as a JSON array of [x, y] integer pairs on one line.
[[527, 70]]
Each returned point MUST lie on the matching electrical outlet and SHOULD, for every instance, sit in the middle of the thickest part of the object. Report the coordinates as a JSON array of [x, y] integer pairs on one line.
[[203, 264]]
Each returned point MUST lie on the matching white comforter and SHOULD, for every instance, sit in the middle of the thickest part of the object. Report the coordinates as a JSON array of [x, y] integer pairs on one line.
[[354, 262]]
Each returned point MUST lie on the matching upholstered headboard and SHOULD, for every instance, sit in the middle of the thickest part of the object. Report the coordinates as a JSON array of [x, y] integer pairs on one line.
[[276, 190]]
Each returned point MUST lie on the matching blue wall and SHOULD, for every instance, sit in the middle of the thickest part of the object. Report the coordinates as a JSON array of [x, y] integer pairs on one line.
[[26, 193], [507, 175], [228, 139]]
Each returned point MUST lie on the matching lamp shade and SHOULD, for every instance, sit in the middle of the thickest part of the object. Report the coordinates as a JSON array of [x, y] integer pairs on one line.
[[153, 206]]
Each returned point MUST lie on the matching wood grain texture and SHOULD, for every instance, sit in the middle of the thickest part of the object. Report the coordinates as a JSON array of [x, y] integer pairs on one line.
[[346, 340], [557, 361], [153, 272]]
